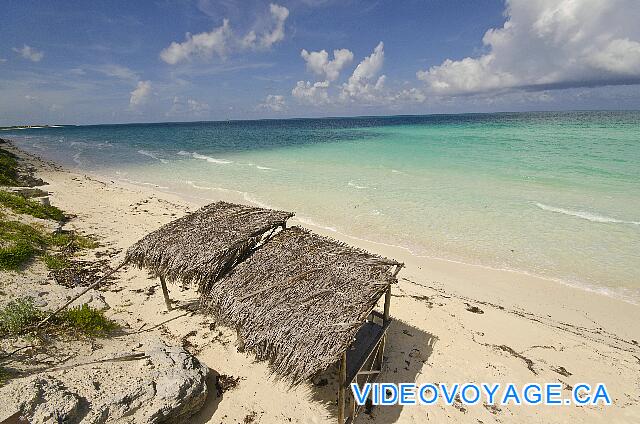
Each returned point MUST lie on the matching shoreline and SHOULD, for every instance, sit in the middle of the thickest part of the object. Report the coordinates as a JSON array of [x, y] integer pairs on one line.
[[453, 321], [503, 251], [397, 250], [446, 267], [232, 195]]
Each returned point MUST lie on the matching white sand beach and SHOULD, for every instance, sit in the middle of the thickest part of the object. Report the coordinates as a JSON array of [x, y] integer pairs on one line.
[[454, 323]]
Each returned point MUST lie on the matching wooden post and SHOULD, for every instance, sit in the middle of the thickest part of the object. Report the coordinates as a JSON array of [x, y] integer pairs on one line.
[[165, 292], [341, 389], [398, 268], [387, 305]]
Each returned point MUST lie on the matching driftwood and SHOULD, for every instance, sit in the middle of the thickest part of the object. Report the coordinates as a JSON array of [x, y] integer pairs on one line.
[[92, 286], [122, 358]]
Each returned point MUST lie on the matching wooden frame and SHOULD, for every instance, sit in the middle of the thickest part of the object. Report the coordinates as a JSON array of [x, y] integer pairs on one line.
[[362, 362]]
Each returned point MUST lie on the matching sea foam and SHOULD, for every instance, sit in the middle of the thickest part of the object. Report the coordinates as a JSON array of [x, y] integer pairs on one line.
[[152, 156], [354, 185], [209, 159], [585, 215]]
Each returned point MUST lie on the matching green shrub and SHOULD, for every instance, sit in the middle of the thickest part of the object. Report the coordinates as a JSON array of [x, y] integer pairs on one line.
[[72, 239], [55, 262], [13, 257], [18, 316], [87, 320], [19, 204], [18, 244], [8, 169]]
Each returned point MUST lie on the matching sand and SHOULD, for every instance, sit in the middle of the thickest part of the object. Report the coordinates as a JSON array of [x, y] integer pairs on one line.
[[454, 323]]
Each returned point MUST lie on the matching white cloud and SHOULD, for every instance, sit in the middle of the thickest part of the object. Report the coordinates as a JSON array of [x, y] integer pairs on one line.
[[279, 15], [312, 93], [549, 44], [188, 107], [319, 63], [29, 53], [362, 84], [140, 94], [115, 71], [2, 60], [409, 95], [273, 103], [221, 41], [203, 45]]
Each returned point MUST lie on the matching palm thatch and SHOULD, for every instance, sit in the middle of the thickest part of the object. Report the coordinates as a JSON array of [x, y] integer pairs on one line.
[[199, 248], [299, 299]]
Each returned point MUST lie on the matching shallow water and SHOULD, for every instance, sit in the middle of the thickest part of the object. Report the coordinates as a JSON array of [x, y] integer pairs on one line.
[[552, 194]]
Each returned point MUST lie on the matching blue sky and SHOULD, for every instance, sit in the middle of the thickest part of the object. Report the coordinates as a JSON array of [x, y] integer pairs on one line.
[[137, 61]]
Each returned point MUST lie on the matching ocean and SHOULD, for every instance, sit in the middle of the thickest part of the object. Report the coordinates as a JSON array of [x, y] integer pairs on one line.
[[554, 194]]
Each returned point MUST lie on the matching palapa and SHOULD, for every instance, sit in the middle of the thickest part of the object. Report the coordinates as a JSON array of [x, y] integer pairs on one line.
[[300, 299], [200, 247], [296, 298]]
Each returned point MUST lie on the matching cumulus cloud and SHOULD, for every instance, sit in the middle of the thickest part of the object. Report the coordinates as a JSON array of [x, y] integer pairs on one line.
[[548, 44], [220, 41], [188, 107], [29, 53], [203, 45], [140, 94], [279, 15], [363, 84], [273, 103], [312, 93], [319, 63]]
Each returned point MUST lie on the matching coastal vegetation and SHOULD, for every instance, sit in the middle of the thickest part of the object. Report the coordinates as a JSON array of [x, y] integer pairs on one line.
[[20, 317], [8, 169], [22, 205], [21, 242]]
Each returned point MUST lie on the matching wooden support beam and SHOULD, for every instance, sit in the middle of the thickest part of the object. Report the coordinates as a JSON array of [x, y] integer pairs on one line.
[[370, 372], [387, 305], [165, 292], [342, 387]]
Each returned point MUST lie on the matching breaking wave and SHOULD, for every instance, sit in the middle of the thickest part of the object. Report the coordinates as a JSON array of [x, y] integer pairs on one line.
[[585, 215], [152, 156], [209, 159]]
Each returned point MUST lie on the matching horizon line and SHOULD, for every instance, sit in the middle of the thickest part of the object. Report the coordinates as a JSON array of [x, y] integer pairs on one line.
[[53, 125]]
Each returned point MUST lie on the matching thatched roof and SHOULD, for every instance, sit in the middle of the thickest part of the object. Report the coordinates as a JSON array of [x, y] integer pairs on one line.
[[299, 299], [200, 247]]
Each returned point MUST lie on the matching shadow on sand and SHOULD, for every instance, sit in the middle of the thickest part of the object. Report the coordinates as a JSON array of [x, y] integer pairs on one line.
[[407, 350]]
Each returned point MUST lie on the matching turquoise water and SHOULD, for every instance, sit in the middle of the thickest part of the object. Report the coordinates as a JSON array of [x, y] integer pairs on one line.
[[551, 194]]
